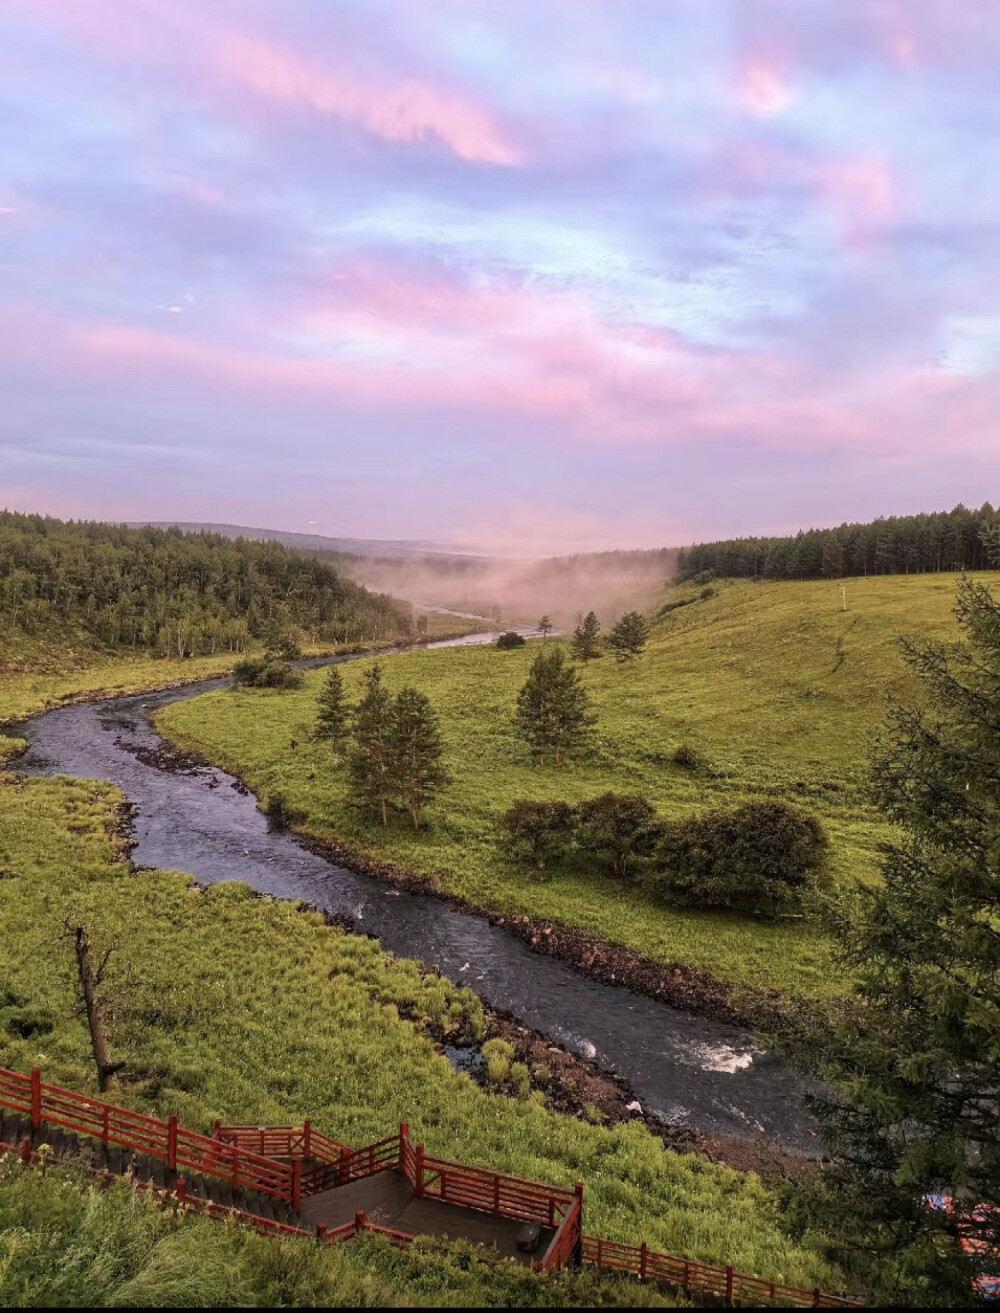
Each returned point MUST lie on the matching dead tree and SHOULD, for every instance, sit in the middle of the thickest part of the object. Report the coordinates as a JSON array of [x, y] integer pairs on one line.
[[90, 983]]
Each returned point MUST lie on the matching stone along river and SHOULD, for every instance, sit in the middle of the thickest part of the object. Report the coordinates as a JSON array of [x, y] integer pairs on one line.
[[684, 1069]]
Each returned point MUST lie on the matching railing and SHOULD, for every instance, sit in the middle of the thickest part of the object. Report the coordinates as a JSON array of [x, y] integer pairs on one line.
[[284, 1141], [165, 1140], [705, 1278], [354, 1165], [234, 1156], [565, 1248]]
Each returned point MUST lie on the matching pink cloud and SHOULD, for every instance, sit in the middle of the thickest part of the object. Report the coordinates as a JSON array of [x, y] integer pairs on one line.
[[404, 110], [763, 87], [862, 194]]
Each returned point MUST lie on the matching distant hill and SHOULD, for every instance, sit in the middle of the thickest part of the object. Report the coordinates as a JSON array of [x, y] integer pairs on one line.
[[306, 542]]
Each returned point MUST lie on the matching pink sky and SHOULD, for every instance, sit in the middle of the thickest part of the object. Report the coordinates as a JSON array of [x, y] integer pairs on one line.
[[572, 273]]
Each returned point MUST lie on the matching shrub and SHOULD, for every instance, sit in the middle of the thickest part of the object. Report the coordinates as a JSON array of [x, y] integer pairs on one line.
[[281, 813], [753, 858], [267, 671], [619, 826], [538, 831], [509, 640], [689, 758]]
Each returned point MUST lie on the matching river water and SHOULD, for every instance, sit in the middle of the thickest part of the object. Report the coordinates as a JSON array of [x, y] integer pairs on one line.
[[684, 1069]]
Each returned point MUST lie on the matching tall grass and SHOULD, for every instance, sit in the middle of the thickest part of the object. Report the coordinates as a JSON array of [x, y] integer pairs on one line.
[[64, 1243]]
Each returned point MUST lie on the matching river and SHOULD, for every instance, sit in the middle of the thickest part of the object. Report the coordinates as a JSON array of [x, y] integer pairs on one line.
[[684, 1069]]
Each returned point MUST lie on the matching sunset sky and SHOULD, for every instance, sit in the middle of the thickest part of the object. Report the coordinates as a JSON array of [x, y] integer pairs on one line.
[[538, 274]]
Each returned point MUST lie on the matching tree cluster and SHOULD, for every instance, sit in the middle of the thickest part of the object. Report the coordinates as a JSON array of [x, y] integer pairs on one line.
[[758, 857], [395, 757], [626, 640], [907, 544], [176, 594]]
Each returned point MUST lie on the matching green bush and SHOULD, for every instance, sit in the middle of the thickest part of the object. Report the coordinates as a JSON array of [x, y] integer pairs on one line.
[[537, 831], [268, 671], [754, 858], [689, 758], [509, 640], [618, 826]]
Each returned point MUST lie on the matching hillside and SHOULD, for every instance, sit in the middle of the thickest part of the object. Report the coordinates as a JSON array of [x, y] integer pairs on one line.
[[775, 685]]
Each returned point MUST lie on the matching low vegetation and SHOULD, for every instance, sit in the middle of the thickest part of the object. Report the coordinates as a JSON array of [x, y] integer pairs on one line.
[[223, 1004], [762, 692]]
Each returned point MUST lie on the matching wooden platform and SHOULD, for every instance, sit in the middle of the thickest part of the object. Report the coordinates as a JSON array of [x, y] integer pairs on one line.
[[388, 1200]]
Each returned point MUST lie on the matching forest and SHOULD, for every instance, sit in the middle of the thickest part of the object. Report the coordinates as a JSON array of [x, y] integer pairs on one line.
[[175, 594], [904, 544]]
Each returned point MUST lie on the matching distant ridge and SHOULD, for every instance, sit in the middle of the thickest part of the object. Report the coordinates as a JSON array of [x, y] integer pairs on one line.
[[307, 542]]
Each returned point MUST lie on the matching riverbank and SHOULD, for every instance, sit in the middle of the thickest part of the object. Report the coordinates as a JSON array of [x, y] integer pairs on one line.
[[251, 1009], [772, 687]]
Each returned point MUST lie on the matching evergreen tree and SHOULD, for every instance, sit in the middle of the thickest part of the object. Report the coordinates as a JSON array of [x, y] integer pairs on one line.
[[629, 636], [917, 1068], [372, 782], [545, 627], [553, 709], [587, 638], [415, 751], [334, 713]]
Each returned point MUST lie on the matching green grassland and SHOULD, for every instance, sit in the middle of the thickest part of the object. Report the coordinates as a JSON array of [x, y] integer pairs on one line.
[[776, 684], [223, 1004]]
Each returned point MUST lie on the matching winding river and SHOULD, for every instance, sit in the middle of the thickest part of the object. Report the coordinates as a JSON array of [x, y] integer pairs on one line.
[[684, 1069]]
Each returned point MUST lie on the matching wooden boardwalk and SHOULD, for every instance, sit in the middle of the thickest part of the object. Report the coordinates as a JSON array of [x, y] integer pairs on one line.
[[388, 1199]]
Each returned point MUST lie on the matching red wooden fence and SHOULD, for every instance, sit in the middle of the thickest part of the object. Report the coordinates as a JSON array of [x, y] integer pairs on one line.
[[239, 1155]]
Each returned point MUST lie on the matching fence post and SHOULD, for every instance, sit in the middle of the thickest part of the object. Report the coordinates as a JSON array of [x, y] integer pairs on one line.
[[26, 1150], [360, 1221], [307, 1138], [36, 1098], [642, 1261], [729, 1283], [171, 1143], [181, 1190], [418, 1172], [217, 1133], [321, 1231], [817, 1298], [297, 1184]]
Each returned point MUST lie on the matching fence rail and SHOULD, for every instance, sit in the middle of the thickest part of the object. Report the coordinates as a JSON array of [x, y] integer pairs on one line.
[[705, 1278], [240, 1155], [284, 1141]]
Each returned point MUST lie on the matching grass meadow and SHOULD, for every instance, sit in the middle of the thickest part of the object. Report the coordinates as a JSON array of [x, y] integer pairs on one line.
[[777, 685], [223, 1004]]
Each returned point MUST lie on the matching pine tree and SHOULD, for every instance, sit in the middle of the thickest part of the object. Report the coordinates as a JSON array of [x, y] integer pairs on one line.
[[918, 1067], [334, 713], [370, 760], [629, 636], [587, 638], [545, 627], [415, 750], [553, 709]]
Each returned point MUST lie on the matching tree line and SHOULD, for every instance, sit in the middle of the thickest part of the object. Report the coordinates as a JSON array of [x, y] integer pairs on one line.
[[906, 544], [176, 594]]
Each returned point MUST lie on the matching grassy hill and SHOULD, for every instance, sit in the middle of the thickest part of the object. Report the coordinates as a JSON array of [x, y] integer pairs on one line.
[[777, 685]]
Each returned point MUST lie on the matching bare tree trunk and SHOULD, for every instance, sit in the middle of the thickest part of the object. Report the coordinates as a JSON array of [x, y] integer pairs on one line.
[[89, 981], [385, 813]]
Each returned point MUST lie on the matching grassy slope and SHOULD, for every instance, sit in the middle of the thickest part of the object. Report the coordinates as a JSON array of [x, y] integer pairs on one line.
[[65, 1243], [773, 682], [226, 1005]]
